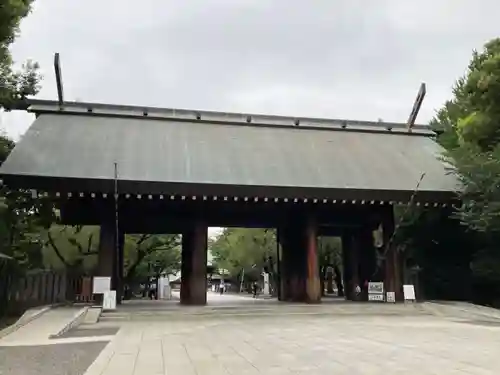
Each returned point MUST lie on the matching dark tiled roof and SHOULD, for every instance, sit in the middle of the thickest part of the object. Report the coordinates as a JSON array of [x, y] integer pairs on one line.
[[224, 149]]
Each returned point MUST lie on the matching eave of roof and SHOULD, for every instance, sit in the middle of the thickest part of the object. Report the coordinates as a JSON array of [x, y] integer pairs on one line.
[[183, 152]]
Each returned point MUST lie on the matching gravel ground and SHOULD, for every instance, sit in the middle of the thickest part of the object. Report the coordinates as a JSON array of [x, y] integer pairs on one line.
[[58, 359]]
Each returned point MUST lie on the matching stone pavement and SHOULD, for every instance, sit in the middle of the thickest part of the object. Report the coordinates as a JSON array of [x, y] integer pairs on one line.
[[57, 359], [38, 331], [300, 344], [344, 338], [30, 351]]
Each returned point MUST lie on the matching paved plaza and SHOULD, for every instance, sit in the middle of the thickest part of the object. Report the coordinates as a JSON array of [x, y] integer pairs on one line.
[[330, 339]]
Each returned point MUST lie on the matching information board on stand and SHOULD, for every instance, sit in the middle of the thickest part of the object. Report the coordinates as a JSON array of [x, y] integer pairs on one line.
[[409, 293], [376, 291], [101, 284], [109, 300], [391, 297]]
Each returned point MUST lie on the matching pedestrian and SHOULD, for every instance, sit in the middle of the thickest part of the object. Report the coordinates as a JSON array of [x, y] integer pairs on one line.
[[254, 289], [153, 292], [358, 290]]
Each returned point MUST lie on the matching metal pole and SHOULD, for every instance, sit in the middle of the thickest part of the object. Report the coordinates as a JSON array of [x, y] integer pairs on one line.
[[117, 236], [278, 263], [242, 278]]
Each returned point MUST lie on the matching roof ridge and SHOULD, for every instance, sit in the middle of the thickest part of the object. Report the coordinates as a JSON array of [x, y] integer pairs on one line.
[[49, 106]]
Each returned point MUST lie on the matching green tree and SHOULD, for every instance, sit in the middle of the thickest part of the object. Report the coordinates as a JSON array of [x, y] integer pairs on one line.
[[23, 220], [329, 251], [245, 250], [22, 217], [72, 248], [472, 117], [453, 256], [146, 254], [15, 84]]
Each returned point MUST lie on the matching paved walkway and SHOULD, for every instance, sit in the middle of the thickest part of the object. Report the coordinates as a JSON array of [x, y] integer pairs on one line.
[[432, 339], [30, 351], [300, 344]]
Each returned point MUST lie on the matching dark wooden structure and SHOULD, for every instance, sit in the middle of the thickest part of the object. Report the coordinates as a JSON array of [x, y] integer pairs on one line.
[[181, 171]]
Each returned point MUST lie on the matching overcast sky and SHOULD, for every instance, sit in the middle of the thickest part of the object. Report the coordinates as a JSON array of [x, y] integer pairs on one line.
[[355, 59]]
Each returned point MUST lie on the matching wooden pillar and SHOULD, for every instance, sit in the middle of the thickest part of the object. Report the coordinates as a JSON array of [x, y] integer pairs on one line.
[[194, 265], [300, 281], [368, 256], [279, 266], [298, 262], [350, 255], [186, 265], [355, 255], [313, 284], [392, 281], [106, 258], [346, 264], [287, 263], [106, 255], [119, 268]]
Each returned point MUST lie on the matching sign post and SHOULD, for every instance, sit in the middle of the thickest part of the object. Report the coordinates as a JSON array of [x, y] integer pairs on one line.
[[376, 291], [391, 297]]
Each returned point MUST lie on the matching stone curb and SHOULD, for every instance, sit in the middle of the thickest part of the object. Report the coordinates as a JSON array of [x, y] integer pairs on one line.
[[93, 315], [24, 319], [75, 321]]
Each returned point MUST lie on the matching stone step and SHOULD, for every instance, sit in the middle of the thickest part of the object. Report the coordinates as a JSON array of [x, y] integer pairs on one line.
[[250, 311]]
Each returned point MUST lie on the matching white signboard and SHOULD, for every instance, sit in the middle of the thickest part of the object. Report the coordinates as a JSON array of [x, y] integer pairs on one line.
[[376, 297], [376, 287], [409, 292], [101, 285], [266, 284], [391, 297], [109, 300]]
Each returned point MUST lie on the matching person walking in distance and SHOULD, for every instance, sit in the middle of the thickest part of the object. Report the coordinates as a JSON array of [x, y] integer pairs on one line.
[[254, 289], [221, 288]]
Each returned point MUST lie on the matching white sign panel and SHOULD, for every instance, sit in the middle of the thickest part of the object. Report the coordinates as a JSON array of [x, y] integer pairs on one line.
[[101, 285], [409, 292], [109, 300], [266, 284], [376, 297], [391, 297], [376, 287]]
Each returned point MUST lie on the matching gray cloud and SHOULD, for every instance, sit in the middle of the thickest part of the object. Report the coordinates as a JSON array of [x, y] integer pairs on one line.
[[344, 59]]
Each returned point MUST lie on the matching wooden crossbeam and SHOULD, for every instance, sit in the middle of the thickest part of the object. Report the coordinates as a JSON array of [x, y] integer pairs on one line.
[[416, 106]]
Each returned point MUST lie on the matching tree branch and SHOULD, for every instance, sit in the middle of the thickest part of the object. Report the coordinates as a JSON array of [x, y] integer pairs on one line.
[[52, 243], [89, 243], [143, 238]]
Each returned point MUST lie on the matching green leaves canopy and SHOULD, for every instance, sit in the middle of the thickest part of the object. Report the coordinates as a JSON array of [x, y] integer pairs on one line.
[[244, 248], [15, 85]]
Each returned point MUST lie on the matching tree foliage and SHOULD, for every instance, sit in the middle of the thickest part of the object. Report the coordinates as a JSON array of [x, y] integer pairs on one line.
[[75, 248], [248, 249], [252, 250], [23, 220], [454, 255], [472, 119], [148, 255], [15, 84]]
